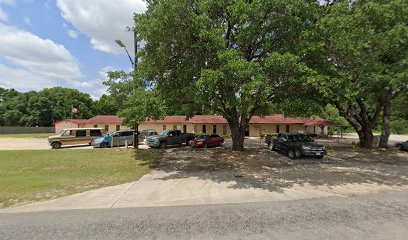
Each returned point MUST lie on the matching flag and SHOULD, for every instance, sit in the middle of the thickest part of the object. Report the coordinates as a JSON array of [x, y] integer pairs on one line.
[[75, 110]]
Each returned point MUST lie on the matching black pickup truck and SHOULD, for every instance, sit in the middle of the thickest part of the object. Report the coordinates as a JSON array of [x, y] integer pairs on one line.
[[169, 137], [297, 145]]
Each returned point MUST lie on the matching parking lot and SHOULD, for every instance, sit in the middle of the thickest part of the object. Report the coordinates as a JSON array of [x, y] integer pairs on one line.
[[345, 171]]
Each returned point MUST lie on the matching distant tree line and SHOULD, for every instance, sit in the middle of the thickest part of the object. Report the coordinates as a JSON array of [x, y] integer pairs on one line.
[[48, 106]]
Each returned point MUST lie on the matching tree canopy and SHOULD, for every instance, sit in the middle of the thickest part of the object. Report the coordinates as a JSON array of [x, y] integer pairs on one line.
[[361, 55], [50, 105], [235, 57]]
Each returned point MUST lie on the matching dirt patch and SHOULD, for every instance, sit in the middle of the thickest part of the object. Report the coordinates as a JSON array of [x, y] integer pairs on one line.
[[346, 171]]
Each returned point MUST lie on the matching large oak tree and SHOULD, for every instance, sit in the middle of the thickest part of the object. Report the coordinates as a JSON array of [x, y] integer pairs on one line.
[[236, 57]]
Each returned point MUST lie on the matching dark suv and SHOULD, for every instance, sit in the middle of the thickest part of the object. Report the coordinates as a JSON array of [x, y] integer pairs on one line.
[[297, 145]]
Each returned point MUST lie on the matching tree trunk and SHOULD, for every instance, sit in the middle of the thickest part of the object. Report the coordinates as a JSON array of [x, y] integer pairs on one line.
[[385, 126], [366, 137], [238, 135]]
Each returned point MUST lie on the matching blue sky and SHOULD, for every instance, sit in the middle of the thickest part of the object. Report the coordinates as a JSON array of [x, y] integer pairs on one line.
[[68, 43]]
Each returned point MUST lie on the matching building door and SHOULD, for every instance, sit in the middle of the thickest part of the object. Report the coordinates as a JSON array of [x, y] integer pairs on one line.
[[184, 128], [287, 128], [247, 131], [204, 128], [214, 129], [277, 128]]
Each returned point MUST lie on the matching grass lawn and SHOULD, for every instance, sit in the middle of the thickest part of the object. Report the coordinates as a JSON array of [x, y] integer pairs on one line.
[[29, 176], [27, 135]]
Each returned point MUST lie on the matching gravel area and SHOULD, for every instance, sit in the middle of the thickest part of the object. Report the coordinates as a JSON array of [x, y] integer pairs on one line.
[[347, 170]]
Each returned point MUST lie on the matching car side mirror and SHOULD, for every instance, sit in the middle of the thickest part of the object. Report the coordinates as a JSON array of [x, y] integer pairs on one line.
[[170, 135]]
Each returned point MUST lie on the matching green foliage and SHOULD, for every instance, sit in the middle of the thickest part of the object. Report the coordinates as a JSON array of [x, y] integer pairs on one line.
[[399, 126], [360, 50], [236, 58], [133, 99], [50, 105], [105, 106]]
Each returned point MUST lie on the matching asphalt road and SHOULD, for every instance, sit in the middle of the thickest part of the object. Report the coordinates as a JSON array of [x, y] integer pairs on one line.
[[375, 216]]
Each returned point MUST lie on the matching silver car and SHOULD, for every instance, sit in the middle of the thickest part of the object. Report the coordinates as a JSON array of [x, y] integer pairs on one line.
[[114, 139]]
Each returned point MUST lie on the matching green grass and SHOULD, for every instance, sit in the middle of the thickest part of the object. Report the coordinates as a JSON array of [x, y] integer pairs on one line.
[[29, 176], [27, 135]]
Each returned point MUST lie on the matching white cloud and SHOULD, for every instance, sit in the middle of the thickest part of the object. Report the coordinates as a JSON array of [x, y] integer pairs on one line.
[[72, 34], [27, 21], [95, 87], [3, 15], [36, 63], [103, 20], [41, 56]]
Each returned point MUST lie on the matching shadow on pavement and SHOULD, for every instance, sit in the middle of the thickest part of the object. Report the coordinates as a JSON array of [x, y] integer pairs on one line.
[[272, 171]]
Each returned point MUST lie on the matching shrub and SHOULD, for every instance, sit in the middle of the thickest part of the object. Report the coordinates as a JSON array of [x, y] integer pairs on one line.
[[399, 126], [227, 136]]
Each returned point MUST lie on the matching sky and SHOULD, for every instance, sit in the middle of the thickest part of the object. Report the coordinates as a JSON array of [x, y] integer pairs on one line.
[[65, 43]]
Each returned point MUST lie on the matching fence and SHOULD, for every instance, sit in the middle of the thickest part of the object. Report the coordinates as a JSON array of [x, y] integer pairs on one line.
[[18, 130]]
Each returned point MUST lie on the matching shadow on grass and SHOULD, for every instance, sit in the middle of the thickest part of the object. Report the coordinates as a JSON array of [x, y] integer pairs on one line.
[[272, 171]]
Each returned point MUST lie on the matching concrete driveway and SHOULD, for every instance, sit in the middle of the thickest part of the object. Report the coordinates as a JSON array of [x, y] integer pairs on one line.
[[160, 189]]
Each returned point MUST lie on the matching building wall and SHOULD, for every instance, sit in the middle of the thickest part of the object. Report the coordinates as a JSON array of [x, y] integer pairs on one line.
[[254, 129], [65, 124], [110, 127]]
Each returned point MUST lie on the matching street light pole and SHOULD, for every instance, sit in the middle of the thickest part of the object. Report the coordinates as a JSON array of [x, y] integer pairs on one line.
[[134, 65]]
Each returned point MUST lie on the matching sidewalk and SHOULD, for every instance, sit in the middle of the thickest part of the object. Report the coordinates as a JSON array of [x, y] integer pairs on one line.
[[161, 189]]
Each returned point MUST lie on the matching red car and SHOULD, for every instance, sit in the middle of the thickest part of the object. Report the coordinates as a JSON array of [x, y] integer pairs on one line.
[[205, 141]]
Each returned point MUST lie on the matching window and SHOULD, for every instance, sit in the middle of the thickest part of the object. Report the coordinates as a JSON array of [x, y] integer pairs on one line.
[[80, 133], [287, 128], [117, 127], [126, 133], [95, 126], [277, 128], [224, 129], [214, 129], [184, 128], [174, 127], [204, 128], [67, 133], [94, 133], [106, 128], [164, 127]]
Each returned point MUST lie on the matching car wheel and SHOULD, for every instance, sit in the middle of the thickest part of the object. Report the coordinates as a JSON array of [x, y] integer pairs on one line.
[[163, 145], [298, 153], [56, 145], [291, 154], [271, 146], [205, 145], [400, 147], [104, 145]]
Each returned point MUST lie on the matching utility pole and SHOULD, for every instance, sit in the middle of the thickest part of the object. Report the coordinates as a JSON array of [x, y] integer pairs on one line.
[[134, 65], [136, 133]]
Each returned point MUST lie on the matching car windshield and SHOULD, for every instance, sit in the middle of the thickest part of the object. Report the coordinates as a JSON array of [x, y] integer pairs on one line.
[[299, 138], [202, 137], [61, 132], [293, 138], [305, 138], [165, 132]]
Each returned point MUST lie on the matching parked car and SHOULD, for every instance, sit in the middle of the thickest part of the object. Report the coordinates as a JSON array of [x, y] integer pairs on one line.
[[297, 145], [205, 141], [167, 138], [114, 139], [146, 133], [74, 136], [402, 145]]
